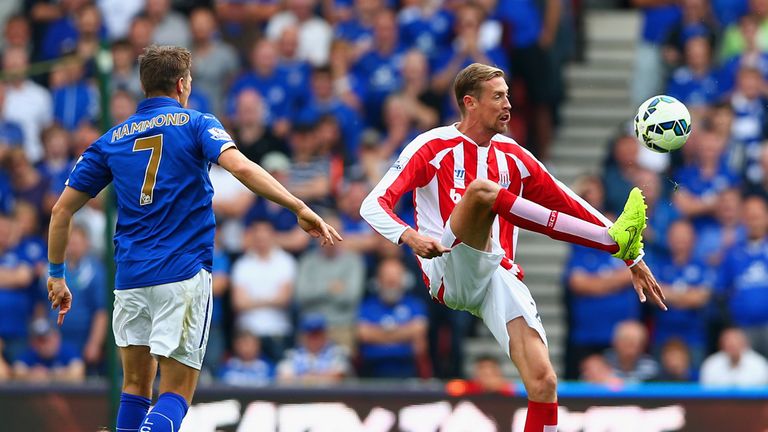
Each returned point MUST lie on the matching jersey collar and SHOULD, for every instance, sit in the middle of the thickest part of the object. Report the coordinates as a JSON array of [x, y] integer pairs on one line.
[[157, 102]]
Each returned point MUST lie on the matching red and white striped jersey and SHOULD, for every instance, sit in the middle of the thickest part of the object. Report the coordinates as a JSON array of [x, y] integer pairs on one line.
[[439, 165]]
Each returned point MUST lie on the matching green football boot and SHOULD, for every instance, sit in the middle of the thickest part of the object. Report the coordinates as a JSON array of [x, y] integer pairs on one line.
[[627, 231]]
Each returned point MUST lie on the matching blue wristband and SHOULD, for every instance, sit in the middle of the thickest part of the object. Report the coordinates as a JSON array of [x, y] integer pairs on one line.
[[56, 270]]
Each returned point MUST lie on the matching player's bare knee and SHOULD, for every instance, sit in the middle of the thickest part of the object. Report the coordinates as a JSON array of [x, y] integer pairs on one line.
[[137, 383], [482, 191], [543, 387]]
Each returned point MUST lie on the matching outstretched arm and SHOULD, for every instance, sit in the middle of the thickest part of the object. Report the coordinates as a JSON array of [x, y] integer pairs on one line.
[[70, 201], [262, 183]]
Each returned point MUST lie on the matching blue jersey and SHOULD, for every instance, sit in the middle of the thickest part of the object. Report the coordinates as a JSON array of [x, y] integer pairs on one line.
[[744, 277], [691, 89], [688, 324], [87, 281], [613, 308], [374, 311], [158, 160]]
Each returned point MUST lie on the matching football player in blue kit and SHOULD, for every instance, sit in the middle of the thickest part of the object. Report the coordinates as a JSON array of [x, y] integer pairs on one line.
[[158, 161]]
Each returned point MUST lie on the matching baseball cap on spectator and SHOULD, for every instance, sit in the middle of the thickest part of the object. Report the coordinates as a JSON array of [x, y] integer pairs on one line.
[[275, 161], [313, 323], [41, 327]]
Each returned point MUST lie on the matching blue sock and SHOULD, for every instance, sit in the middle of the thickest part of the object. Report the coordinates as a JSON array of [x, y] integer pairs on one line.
[[167, 414], [131, 413]]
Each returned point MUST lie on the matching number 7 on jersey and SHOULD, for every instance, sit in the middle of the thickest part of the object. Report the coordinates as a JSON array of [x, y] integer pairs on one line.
[[155, 145]]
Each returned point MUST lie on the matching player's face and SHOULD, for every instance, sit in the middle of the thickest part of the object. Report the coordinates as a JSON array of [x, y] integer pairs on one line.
[[493, 105]]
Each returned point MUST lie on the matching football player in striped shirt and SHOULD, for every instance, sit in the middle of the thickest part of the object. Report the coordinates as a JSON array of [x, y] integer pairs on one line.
[[474, 188]]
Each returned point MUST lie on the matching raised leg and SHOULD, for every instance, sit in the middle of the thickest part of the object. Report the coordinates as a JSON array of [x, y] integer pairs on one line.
[[473, 217]]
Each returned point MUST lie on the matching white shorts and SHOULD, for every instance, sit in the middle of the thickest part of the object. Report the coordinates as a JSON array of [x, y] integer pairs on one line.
[[172, 319], [474, 281]]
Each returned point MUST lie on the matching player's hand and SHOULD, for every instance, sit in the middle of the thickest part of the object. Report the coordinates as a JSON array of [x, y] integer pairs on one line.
[[313, 224], [644, 282], [60, 297], [425, 247]]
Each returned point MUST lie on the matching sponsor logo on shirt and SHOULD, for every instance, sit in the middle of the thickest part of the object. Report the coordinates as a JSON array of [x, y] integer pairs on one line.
[[219, 134], [400, 163]]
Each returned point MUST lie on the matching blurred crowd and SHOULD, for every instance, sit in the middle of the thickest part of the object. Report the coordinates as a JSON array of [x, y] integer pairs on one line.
[[323, 94], [707, 235]]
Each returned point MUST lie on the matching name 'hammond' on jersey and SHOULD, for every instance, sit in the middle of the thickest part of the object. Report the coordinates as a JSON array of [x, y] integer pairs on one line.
[[167, 119]]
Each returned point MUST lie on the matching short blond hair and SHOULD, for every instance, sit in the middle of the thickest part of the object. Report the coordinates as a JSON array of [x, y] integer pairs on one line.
[[469, 80]]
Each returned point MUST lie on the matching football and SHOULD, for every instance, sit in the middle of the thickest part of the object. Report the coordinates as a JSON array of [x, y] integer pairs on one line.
[[662, 124]]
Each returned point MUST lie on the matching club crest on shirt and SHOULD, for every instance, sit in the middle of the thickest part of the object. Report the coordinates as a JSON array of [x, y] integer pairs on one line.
[[219, 134], [504, 179], [400, 163]]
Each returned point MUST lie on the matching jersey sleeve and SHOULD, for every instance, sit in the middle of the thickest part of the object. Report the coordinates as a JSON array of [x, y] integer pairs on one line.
[[544, 189], [91, 173], [411, 170], [213, 138]]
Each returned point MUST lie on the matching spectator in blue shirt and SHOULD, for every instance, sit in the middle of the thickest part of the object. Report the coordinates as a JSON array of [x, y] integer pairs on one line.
[[354, 22], [702, 180], [48, 358], [247, 367], [316, 360], [27, 183], [687, 283], [378, 70], [749, 110], [599, 292], [465, 49], [28, 239], [427, 26], [323, 101], [62, 35], [392, 327], [714, 240], [744, 276], [696, 20], [658, 18], [533, 27], [295, 69], [619, 169], [86, 326], [265, 77], [695, 83], [56, 164], [661, 211], [11, 133], [74, 99], [219, 287], [752, 56], [17, 297]]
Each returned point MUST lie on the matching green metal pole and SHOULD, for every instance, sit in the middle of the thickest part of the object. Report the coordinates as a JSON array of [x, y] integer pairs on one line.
[[104, 68]]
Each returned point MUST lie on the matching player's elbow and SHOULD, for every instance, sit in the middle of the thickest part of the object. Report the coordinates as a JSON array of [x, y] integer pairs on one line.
[[60, 212], [369, 207]]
